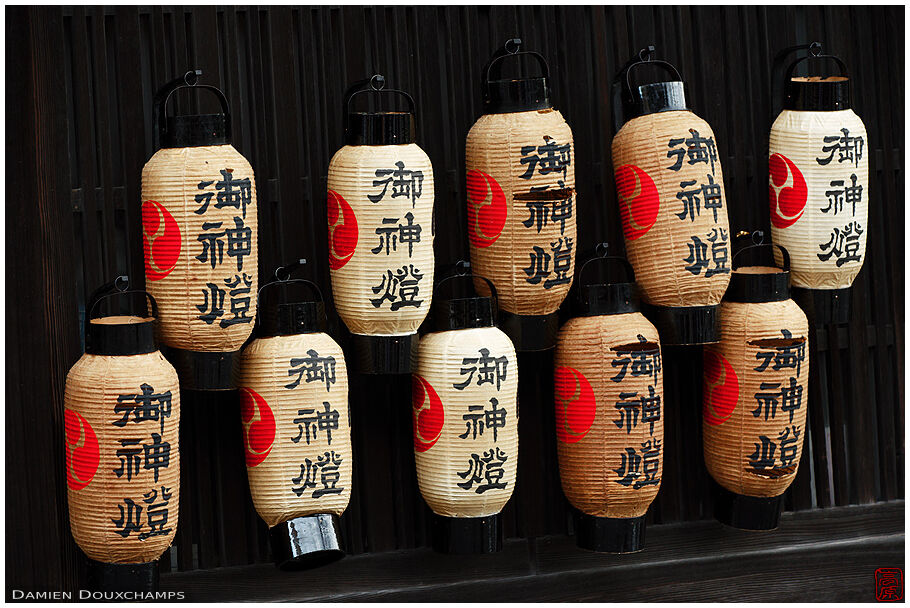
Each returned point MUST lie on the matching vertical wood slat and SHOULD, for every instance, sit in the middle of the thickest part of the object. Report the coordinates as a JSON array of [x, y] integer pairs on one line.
[[285, 70]]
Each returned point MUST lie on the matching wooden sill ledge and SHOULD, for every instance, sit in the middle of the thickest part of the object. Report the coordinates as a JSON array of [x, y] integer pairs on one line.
[[819, 555]]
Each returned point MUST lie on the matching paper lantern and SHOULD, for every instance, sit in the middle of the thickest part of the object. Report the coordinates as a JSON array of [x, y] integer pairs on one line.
[[755, 396], [608, 390], [200, 235], [380, 216], [465, 401], [670, 189], [521, 201], [121, 419], [296, 427], [818, 187]]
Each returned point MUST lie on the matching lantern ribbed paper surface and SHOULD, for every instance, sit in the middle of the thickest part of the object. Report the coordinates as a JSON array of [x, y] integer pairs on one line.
[[608, 387], [122, 454], [380, 214], [465, 402], [521, 208], [670, 189], [755, 397], [819, 194], [200, 233], [296, 428], [199, 223]]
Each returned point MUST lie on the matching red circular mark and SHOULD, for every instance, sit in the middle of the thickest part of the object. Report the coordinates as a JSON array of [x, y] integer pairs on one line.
[[82, 455], [258, 426], [721, 389], [639, 201], [486, 209], [575, 404], [429, 415], [342, 231], [787, 202], [161, 240]]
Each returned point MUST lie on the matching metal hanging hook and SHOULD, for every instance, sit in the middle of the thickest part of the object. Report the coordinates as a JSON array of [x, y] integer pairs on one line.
[[377, 82], [191, 78], [287, 270], [602, 249], [122, 283], [815, 49], [462, 267], [646, 53], [512, 46]]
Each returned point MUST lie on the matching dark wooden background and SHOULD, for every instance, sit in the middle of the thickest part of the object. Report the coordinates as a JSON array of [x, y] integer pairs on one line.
[[78, 101]]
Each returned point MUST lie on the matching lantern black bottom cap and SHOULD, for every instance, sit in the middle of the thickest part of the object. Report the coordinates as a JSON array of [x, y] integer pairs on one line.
[[306, 542], [204, 371], [383, 354], [685, 325], [467, 535], [138, 578], [824, 305], [609, 534], [747, 512], [530, 332]]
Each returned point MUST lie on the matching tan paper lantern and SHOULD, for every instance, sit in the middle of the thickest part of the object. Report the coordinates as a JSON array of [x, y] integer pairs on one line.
[[608, 390], [296, 427], [465, 402], [199, 222], [670, 189], [380, 216], [121, 418], [521, 201], [818, 188], [756, 397]]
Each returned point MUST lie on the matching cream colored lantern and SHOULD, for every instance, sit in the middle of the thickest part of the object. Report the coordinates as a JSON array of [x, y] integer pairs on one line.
[[296, 425], [465, 402], [670, 189], [756, 396], [199, 222], [521, 201], [380, 219], [818, 187], [121, 417]]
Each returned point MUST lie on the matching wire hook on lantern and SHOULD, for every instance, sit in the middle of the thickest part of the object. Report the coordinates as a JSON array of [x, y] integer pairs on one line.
[[377, 82], [288, 269]]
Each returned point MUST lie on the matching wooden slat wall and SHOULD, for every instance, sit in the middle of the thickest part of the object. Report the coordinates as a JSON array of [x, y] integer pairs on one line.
[[79, 130]]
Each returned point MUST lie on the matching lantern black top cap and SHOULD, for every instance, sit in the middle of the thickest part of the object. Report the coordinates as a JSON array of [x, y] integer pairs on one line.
[[285, 315], [132, 334], [814, 93], [606, 298], [758, 283], [381, 127], [661, 96], [188, 130], [463, 313], [502, 95]]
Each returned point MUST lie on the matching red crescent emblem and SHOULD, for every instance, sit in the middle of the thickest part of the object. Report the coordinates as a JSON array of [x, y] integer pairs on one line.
[[721, 388], [787, 202], [81, 450], [639, 201], [575, 404], [342, 231], [258, 426], [429, 415], [161, 240], [486, 209]]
